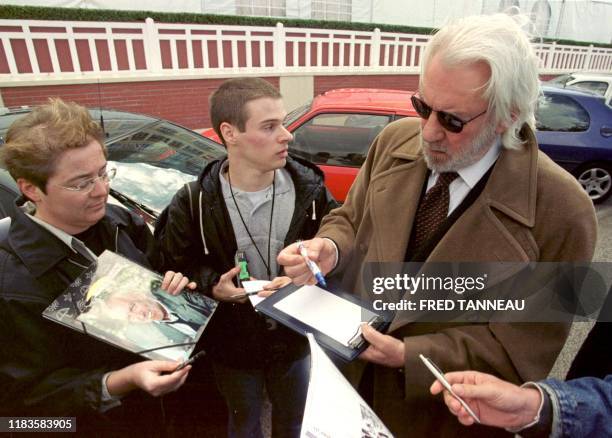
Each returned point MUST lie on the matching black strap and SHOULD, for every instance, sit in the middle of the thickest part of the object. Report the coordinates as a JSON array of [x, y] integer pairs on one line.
[[193, 189], [266, 263]]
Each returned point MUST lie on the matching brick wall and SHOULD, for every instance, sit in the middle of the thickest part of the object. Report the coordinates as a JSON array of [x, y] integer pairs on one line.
[[547, 77], [398, 82], [181, 101], [184, 102]]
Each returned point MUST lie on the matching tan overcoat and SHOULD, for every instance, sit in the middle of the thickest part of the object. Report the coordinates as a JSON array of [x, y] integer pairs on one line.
[[529, 210]]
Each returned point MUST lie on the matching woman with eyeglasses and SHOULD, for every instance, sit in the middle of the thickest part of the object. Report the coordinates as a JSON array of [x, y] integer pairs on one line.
[[57, 156]]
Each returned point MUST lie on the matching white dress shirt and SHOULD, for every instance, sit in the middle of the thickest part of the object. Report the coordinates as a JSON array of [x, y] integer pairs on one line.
[[468, 176], [63, 236]]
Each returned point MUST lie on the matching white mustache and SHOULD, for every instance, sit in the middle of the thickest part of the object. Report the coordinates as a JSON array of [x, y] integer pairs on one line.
[[436, 148]]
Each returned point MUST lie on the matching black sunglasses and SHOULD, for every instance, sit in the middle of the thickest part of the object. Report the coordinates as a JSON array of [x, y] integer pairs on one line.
[[448, 121]]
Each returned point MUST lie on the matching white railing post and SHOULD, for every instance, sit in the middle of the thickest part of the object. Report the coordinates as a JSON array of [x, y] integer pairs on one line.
[[549, 61], [375, 49], [280, 60], [152, 49], [555, 58], [76, 63], [32, 53], [587, 59], [5, 44]]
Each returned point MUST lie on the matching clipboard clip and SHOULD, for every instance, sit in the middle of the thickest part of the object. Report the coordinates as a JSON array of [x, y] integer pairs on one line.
[[357, 340]]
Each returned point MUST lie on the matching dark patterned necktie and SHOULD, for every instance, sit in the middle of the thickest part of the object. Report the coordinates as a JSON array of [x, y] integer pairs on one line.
[[433, 209]]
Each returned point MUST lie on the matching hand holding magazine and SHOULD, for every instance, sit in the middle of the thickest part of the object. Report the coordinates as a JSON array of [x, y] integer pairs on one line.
[[120, 302]]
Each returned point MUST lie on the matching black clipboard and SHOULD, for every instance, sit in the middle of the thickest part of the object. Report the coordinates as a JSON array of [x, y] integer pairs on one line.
[[380, 321]]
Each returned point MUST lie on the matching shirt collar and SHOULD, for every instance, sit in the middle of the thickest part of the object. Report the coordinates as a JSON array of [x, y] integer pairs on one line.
[[170, 317], [282, 181], [471, 174], [60, 234]]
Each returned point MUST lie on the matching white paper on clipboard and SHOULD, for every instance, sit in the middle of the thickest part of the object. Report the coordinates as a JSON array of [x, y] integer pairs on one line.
[[330, 314], [255, 286]]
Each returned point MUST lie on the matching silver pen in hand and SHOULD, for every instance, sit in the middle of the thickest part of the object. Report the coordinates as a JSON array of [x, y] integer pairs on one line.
[[246, 294], [437, 372]]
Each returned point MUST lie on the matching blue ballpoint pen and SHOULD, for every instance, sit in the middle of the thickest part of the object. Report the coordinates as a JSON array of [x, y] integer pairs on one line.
[[311, 265]]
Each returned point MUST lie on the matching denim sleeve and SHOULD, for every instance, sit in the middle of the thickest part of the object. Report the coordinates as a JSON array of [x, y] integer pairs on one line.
[[581, 407]]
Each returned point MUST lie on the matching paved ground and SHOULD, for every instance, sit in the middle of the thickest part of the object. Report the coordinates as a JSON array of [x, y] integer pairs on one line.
[[603, 253]]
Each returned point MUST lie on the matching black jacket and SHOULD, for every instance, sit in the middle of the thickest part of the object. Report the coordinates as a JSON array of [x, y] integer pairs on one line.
[[45, 368], [236, 335]]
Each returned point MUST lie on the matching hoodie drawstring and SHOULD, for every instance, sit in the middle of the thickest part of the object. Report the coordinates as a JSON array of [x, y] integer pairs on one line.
[[202, 224], [314, 211]]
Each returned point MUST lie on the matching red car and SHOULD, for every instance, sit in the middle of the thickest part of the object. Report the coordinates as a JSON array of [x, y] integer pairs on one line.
[[336, 129]]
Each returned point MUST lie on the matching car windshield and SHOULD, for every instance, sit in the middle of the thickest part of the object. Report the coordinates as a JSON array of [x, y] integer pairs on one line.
[[296, 114], [158, 159], [118, 123], [560, 81], [596, 87]]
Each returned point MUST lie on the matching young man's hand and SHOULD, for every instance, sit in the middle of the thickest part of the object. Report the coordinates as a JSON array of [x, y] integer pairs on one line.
[[225, 290]]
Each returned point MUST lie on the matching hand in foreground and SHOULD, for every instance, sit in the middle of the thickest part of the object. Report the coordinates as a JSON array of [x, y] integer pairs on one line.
[[147, 376], [321, 251], [495, 401], [224, 290], [175, 282], [273, 286], [383, 349]]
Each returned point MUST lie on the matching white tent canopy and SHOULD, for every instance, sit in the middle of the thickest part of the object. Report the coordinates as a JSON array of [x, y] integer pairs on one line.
[[563, 19]]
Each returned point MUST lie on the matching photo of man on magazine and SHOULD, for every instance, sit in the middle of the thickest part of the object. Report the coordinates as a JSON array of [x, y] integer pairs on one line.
[[122, 303]]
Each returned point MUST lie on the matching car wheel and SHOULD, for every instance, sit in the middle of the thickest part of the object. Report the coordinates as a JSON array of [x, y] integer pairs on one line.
[[596, 179]]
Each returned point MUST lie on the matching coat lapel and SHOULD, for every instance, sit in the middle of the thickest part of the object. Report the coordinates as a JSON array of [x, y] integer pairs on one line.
[[480, 234], [395, 198], [510, 193]]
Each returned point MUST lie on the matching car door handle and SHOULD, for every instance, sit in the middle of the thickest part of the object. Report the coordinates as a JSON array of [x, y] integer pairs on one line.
[[606, 131]]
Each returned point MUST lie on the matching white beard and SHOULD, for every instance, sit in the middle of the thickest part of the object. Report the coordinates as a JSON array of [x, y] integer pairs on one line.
[[462, 158]]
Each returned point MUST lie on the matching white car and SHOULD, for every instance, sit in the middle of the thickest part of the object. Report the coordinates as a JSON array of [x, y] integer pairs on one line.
[[598, 83]]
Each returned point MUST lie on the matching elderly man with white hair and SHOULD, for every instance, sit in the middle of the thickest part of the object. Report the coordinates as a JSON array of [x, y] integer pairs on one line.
[[465, 183]]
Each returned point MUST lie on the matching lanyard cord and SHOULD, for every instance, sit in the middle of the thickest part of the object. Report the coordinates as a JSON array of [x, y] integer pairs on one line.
[[267, 265]]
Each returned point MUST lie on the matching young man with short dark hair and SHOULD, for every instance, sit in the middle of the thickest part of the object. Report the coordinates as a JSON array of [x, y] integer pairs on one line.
[[256, 201]]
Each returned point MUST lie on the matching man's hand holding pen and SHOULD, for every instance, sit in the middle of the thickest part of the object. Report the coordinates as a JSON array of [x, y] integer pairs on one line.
[[320, 251]]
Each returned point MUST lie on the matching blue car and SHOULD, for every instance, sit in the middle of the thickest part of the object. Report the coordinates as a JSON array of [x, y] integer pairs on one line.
[[574, 128]]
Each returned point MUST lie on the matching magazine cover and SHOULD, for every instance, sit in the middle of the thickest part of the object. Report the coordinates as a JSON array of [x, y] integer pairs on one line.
[[333, 408], [120, 302]]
